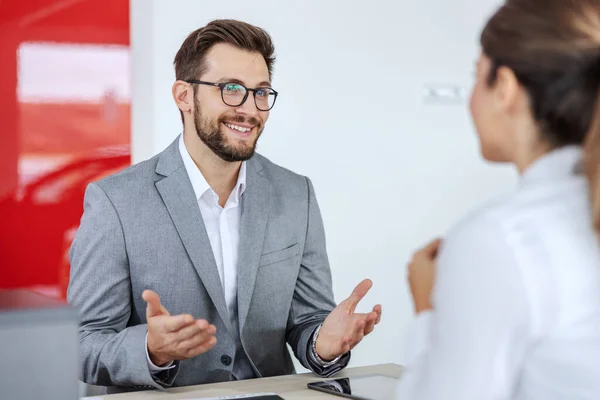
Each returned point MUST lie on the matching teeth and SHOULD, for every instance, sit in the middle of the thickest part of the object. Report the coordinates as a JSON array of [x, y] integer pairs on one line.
[[238, 128]]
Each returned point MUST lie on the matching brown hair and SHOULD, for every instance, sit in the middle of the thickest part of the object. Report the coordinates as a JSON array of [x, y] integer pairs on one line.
[[190, 59], [553, 48]]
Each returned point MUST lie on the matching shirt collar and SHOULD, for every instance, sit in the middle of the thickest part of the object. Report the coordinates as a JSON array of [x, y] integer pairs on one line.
[[199, 183], [561, 163]]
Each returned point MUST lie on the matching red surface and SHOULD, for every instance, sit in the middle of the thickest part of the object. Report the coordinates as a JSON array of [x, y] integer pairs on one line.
[[51, 149]]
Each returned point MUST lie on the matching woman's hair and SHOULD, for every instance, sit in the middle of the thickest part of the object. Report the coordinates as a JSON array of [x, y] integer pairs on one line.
[[553, 48]]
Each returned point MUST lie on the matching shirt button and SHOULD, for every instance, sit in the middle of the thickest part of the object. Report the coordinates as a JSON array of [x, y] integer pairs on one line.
[[226, 360]]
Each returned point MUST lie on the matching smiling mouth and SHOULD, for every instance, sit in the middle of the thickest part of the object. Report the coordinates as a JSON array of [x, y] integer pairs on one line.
[[239, 128]]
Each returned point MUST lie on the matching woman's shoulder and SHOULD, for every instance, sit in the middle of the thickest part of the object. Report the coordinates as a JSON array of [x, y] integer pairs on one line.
[[528, 220], [528, 206], [490, 215]]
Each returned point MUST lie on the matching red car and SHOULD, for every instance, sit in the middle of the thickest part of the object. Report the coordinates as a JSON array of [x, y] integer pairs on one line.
[[39, 220]]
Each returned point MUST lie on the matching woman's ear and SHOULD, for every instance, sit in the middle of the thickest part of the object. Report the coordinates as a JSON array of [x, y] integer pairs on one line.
[[506, 91]]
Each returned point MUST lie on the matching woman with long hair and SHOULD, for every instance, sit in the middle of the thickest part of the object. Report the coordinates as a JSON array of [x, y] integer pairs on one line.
[[508, 303]]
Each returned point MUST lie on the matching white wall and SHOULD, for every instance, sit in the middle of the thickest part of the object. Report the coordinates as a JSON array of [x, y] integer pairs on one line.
[[390, 169]]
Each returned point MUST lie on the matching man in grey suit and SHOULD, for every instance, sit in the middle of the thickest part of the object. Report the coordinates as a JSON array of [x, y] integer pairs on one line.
[[233, 244]]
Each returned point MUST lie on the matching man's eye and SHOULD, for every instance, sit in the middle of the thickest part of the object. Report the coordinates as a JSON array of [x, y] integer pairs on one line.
[[233, 88]]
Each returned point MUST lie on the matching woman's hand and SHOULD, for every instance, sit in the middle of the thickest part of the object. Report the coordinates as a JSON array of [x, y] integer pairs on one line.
[[421, 275]]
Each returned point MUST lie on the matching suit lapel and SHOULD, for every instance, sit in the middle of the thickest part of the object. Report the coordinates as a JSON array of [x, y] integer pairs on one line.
[[179, 198], [253, 222]]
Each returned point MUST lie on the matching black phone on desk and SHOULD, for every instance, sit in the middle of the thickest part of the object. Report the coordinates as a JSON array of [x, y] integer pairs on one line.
[[254, 396], [370, 387]]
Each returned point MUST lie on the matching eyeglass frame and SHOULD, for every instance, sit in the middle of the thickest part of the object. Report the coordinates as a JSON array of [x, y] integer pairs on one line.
[[248, 90]]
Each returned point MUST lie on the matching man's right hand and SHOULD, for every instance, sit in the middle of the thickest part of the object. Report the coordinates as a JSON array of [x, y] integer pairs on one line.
[[176, 337]]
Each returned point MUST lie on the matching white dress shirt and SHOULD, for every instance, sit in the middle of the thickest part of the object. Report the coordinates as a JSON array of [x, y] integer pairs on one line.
[[516, 299], [223, 228]]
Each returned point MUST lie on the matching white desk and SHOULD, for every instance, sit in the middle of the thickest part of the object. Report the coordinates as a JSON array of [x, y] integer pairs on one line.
[[290, 387]]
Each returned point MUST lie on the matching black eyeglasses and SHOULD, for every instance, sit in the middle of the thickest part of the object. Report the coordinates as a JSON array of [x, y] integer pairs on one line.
[[235, 94]]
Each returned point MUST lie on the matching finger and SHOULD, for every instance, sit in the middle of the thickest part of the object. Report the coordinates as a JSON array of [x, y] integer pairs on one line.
[[364, 318], [154, 308], [201, 348], [378, 310], [358, 293], [194, 341], [370, 323], [205, 326], [175, 323], [199, 328], [369, 328], [432, 248]]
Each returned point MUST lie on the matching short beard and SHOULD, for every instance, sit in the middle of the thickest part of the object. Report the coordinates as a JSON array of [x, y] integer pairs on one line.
[[211, 133]]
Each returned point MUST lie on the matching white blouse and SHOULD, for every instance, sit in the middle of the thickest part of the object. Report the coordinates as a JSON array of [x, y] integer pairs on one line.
[[516, 299]]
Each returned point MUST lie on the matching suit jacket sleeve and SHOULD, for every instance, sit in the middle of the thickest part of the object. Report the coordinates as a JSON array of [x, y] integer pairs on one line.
[[313, 297], [112, 354]]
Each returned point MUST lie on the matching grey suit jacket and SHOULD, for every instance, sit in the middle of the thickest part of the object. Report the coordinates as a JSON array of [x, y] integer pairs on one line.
[[142, 229]]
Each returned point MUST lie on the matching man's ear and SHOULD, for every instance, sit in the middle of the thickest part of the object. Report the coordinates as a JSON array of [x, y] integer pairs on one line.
[[183, 96]]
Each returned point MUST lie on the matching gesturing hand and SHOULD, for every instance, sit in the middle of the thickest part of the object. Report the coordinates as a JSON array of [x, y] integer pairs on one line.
[[175, 337], [343, 329]]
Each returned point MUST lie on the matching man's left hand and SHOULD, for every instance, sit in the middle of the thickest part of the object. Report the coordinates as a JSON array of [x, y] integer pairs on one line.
[[343, 329]]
